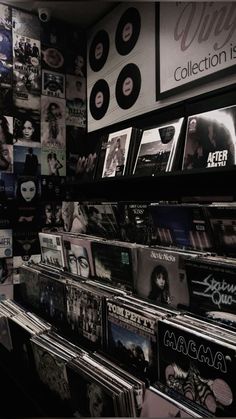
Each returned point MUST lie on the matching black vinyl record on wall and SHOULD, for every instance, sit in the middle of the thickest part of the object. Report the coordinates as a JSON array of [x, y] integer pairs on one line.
[[128, 30], [99, 50], [128, 86], [99, 99]]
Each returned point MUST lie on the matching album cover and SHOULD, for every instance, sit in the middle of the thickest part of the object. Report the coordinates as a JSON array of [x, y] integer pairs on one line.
[[26, 72], [78, 256], [6, 213], [158, 148], [212, 287], [5, 243], [27, 129], [102, 219], [51, 216], [223, 222], [7, 182], [53, 135], [52, 250], [27, 190], [53, 162], [161, 276], [6, 158], [6, 100], [52, 59], [115, 154], [18, 261], [131, 339], [6, 45], [76, 101], [6, 74], [90, 398], [159, 405], [84, 316], [52, 297], [25, 24], [30, 286], [82, 153], [6, 268], [51, 369], [5, 17], [184, 226], [75, 60], [27, 161], [5, 336], [74, 217], [115, 263], [199, 367], [211, 139], [25, 218], [134, 222], [53, 188], [25, 243], [53, 84]]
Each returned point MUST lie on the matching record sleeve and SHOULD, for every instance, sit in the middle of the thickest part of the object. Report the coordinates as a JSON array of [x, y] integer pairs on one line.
[[5, 335], [161, 276], [212, 288], [53, 160], [6, 46], [25, 24], [134, 222], [53, 59], [53, 188], [5, 243], [25, 243], [52, 297], [183, 226], [53, 84], [85, 316], [131, 339], [6, 271], [115, 263], [18, 261], [78, 256], [7, 182], [223, 222], [6, 214], [52, 250], [30, 287], [102, 219], [51, 216], [210, 139], [89, 397], [197, 366], [158, 149], [27, 129], [116, 153]]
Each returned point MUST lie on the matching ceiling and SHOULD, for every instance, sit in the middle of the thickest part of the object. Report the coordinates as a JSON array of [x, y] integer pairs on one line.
[[83, 13]]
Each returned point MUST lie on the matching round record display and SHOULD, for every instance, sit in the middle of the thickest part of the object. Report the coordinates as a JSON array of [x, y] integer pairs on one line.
[[128, 86], [127, 31], [99, 99], [99, 50]]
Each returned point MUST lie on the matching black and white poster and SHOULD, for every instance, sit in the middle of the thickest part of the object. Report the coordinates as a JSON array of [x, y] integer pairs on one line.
[[53, 84]]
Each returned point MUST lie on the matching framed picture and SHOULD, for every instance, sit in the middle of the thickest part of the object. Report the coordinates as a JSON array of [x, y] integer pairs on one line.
[[194, 44]]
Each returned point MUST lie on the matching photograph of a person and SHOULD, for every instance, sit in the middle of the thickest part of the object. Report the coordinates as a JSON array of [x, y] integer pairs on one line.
[[26, 132], [210, 140], [77, 259], [27, 161], [159, 285], [6, 158], [53, 162], [74, 217], [27, 190], [6, 129], [115, 157]]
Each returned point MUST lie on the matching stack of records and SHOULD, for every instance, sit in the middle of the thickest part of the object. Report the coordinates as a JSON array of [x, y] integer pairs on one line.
[[198, 361], [5, 335], [100, 391]]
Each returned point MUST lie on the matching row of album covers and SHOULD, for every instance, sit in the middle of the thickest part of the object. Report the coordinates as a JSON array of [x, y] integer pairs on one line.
[[156, 362], [210, 141]]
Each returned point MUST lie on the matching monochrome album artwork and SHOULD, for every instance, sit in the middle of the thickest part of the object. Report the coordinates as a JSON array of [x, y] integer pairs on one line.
[[52, 250], [52, 300], [52, 59], [78, 256], [6, 214], [5, 335], [52, 109], [184, 367], [211, 139], [6, 133], [6, 45], [6, 158], [5, 17], [26, 129], [157, 150], [134, 222], [53, 84], [6, 270], [161, 276], [102, 219], [76, 100], [116, 153], [27, 161], [18, 275], [222, 220], [26, 72], [25, 243], [25, 24], [53, 162], [7, 181], [5, 243]]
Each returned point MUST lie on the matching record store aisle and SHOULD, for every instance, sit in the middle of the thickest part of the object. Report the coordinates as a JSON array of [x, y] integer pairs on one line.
[[117, 268]]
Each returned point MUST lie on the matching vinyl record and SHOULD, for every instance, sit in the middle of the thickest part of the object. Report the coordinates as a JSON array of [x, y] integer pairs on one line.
[[99, 50], [128, 86], [99, 99], [127, 31]]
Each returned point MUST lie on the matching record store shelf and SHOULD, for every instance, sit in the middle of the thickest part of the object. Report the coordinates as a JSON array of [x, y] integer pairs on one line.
[[167, 186]]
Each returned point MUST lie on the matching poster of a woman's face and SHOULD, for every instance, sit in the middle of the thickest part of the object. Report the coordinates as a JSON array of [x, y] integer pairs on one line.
[[27, 189]]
